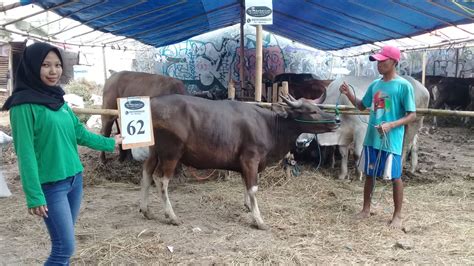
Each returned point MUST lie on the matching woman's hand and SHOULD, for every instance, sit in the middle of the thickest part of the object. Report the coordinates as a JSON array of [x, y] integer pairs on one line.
[[118, 139], [41, 211]]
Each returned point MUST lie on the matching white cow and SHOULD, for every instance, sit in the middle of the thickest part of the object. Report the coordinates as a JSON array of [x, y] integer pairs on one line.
[[4, 191], [354, 127]]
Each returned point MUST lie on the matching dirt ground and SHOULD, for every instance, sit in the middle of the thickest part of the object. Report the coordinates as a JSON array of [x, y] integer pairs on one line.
[[310, 216]]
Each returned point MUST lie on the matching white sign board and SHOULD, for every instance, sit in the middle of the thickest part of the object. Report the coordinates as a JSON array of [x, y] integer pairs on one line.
[[135, 122], [259, 12]]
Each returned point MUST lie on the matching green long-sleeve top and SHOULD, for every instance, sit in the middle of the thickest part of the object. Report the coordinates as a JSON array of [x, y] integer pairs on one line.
[[45, 143]]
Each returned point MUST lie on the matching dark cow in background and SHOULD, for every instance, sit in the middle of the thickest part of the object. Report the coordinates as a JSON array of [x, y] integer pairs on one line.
[[304, 85], [452, 92], [227, 135], [449, 92], [128, 83]]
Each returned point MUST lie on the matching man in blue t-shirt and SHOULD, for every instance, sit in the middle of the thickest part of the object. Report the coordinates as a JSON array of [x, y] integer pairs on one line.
[[391, 102]]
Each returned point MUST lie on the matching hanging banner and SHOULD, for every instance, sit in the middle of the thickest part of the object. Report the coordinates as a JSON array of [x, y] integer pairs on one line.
[[259, 12], [135, 122]]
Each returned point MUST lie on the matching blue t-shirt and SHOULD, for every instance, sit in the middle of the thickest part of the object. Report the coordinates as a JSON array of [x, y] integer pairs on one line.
[[388, 101]]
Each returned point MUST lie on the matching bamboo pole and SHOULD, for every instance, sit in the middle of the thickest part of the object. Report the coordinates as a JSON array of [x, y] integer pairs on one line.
[[350, 110], [284, 88], [423, 69], [231, 90], [104, 62], [92, 111], [258, 65], [280, 90], [10, 72], [242, 48], [344, 109], [269, 94], [275, 93]]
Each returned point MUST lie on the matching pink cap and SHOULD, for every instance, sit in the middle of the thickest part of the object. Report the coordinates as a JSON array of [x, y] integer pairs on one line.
[[387, 52]]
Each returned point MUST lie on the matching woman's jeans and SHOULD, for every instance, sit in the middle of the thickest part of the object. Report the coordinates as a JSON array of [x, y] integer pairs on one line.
[[63, 199]]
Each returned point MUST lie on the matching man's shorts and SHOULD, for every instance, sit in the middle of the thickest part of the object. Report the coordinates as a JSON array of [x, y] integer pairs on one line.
[[380, 163]]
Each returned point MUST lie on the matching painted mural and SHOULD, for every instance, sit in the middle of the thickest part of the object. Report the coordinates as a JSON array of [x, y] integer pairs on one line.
[[207, 62]]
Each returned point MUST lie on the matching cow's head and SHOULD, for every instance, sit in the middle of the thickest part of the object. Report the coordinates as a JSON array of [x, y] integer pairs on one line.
[[306, 114]]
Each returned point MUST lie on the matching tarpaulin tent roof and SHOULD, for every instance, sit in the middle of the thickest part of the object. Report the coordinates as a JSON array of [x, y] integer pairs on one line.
[[323, 24]]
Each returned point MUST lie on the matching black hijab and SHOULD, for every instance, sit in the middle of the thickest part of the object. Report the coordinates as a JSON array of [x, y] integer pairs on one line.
[[28, 85]]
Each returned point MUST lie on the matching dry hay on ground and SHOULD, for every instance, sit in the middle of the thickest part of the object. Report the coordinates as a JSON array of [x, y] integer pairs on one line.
[[310, 217]]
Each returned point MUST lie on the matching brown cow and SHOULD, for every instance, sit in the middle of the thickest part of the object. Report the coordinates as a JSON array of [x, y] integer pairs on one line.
[[226, 135], [128, 83]]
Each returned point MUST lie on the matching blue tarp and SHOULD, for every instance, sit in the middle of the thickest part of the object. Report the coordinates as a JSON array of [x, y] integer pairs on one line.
[[322, 24]]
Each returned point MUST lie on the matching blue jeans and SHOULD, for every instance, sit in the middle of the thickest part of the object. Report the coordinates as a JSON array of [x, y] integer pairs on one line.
[[63, 199]]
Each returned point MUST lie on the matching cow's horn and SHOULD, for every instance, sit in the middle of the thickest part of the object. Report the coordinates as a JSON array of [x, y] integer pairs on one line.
[[293, 104], [291, 97], [320, 99]]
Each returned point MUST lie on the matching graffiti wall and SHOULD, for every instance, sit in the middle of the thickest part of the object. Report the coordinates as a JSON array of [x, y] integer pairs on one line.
[[207, 62]]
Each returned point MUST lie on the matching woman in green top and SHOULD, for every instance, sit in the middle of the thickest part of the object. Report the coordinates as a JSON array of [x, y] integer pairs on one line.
[[45, 134]]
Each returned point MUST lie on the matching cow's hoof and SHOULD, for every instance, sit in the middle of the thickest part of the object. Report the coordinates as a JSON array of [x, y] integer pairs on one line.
[[263, 227], [175, 222], [247, 207], [147, 214]]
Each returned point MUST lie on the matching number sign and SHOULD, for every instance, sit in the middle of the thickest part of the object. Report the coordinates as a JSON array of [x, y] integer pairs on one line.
[[135, 122]]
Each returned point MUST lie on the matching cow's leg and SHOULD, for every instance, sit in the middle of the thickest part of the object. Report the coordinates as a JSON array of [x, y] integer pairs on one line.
[[414, 154], [247, 199], [249, 174], [149, 167], [106, 130], [167, 168], [409, 143], [357, 154], [332, 156], [344, 150], [125, 155]]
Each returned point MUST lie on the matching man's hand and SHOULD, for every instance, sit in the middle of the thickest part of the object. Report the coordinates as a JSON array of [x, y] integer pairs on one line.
[[384, 128], [41, 211], [344, 89]]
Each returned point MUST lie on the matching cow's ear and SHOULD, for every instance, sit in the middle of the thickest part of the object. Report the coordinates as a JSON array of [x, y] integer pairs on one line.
[[280, 109]]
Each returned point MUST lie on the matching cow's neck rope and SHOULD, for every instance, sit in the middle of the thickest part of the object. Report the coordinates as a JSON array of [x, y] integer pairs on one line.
[[316, 122]]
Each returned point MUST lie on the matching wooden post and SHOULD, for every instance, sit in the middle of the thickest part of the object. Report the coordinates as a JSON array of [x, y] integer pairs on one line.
[[423, 69], [231, 90], [269, 94], [10, 72], [278, 95], [274, 93], [105, 63], [457, 63], [242, 49], [258, 65], [285, 88]]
